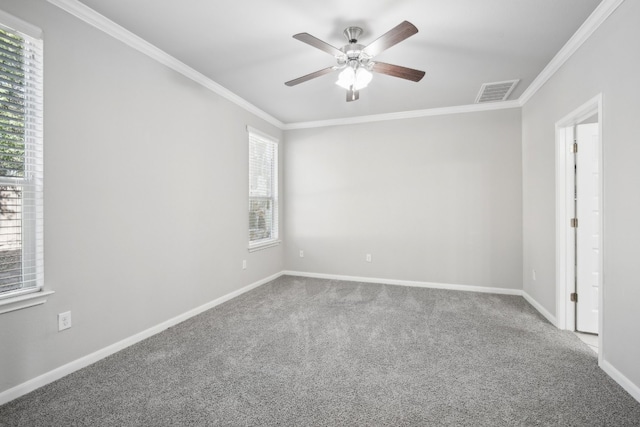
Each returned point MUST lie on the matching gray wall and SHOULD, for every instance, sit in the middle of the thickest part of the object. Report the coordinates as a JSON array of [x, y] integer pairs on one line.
[[433, 199], [145, 197], [607, 63]]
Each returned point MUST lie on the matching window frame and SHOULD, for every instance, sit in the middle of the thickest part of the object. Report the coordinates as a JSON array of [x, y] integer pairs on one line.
[[255, 135], [32, 184]]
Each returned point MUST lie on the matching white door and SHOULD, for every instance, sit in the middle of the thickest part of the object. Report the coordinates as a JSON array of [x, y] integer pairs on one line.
[[588, 243]]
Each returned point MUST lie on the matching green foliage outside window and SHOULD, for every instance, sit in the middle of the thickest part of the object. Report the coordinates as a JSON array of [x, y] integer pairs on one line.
[[12, 153]]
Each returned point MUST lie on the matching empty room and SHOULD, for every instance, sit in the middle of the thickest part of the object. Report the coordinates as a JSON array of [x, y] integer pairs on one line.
[[319, 213]]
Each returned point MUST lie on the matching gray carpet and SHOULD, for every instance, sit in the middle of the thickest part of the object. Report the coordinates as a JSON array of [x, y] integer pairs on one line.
[[301, 352]]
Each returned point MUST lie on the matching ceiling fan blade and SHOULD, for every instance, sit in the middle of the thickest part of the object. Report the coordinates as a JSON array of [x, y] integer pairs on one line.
[[398, 71], [352, 95], [392, 37], [309, 76], [317, 43]]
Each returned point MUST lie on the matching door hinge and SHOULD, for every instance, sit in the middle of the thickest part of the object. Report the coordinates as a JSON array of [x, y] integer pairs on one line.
[[574, 297], [574, 147], [574, 222]]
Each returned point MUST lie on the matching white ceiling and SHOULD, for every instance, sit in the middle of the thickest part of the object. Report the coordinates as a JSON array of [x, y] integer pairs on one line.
[[247, 47]]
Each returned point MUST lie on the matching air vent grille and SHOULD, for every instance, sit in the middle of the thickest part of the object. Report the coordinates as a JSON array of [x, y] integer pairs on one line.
[[497, 91]]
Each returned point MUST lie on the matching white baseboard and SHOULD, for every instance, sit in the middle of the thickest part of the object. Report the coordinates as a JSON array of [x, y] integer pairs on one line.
[[57, 373], [618, 377], [450, 286], [550, 317]]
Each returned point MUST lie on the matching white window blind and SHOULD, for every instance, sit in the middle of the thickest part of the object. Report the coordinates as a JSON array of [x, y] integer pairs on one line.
[[21, 163], [263, 189]]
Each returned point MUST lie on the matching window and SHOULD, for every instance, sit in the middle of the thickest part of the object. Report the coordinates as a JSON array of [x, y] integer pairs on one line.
[[263, 190], [21, 168]]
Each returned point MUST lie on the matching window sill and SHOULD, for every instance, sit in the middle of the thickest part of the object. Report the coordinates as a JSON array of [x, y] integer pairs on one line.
[[24, 301], [264, 245]]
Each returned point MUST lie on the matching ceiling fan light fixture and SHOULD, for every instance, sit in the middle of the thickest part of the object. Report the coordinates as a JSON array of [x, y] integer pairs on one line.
[[346, 78], [357, 78], [363, 78]]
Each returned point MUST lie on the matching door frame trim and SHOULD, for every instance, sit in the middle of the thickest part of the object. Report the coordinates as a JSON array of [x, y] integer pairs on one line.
[[565, 309]]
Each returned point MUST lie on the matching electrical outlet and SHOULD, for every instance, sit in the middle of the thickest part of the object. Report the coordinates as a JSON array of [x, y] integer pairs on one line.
[[244, 264], [301, 253], [368, 258], [64, 321]]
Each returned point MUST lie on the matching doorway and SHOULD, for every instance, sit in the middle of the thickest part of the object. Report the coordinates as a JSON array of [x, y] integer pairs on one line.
[[579, 209]]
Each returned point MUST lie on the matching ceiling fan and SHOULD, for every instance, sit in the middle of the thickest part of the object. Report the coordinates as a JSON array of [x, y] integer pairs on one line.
[[356, 60]]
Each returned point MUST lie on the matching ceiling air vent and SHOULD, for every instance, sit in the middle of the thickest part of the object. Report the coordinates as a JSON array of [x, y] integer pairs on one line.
[[497, 91]]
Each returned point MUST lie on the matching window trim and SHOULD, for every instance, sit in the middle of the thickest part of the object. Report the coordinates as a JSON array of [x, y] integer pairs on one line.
[[33, 295], [20, 26], [263, 245], [272, 241], [29, 298]]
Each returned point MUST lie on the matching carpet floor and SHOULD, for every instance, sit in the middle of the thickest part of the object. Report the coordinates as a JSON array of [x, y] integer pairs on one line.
[[313, 352]]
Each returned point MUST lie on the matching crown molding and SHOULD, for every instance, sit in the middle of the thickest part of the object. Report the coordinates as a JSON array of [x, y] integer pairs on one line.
[[93, 18], [593, 22], [471, 108]]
